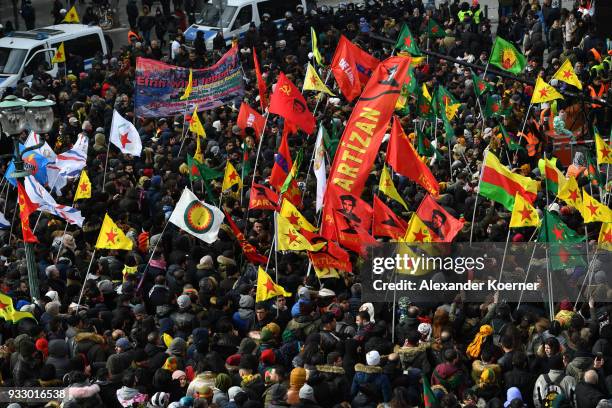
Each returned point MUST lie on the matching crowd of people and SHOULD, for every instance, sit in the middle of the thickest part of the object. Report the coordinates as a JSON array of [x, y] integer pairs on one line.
[[190, 334]]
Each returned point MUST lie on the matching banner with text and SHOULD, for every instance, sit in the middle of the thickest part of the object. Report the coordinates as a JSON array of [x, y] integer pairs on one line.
[[159, 86]]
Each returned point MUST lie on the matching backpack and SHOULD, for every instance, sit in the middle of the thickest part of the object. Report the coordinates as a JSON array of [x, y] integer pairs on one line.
[[552, 391]]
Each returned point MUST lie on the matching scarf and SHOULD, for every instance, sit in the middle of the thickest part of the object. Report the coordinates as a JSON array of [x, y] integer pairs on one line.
[[473, 350]]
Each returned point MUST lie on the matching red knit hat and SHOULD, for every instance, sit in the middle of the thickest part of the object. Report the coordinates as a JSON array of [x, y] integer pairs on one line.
[[268, 357]]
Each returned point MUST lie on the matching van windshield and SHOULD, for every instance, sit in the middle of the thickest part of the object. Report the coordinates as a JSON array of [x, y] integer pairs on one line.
[[11, 60], [211, 16]]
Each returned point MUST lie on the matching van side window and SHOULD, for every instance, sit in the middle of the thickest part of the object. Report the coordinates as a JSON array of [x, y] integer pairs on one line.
[[277, 8], [86, 47], [245, 16], [38, 59]]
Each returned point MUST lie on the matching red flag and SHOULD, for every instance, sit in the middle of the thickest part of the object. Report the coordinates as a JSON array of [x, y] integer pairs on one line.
[[362, 136], [350, 233], [352, 67], [261, 85], [330, 256], [249, 117], [247, 248], [26, 207], [262, 198], [386, 223], [288, 102], [404, 159], [443, 225], [357, 210]]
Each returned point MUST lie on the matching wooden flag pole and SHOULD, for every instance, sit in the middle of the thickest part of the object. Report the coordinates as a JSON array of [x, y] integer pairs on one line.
[[93, 256]]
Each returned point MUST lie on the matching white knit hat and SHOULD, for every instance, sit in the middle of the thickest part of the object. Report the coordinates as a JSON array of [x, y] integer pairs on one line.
[[373, 358]]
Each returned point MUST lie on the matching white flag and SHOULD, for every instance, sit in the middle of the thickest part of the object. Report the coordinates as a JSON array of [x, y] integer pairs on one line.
[[197, 218], [46, 150], [125, 136], [38, 195], [4, 223], [319, 168], [73, 161]]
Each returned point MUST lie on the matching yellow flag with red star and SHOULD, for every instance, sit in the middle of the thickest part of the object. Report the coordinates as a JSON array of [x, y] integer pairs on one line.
[[566, 74], [8, 312], [604, 150], [523, 213], [417, 231], [291, 213], [111, 236], [290, 239], [593, 211], [605, 236], [386, 186], [267, 288], [231, 177], [72, 16], [570, 193], [60, 55], [313, 82], [83, 187], [544, 92]]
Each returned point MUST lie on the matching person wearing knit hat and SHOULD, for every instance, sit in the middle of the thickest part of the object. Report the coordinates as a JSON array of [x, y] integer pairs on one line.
[[206, 263], [183, 302], [232, 362], [473, 349], [42, 345], [371, 376], [297, 379], [274, 329], [223, 382], [373, 358], [267, 358], [306, 396], [232, 392]]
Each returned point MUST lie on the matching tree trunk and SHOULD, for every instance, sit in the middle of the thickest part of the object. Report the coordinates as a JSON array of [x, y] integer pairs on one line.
[[16, 14]]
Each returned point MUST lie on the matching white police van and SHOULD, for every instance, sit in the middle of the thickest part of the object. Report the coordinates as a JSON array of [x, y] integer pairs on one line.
[[233, 17], [22, 52]]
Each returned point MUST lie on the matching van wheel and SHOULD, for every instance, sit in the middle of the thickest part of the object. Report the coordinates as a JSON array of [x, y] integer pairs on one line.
[[109, 44]]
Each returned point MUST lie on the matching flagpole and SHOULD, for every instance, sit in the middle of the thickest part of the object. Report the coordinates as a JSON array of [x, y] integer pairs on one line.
[[13, 221], [105, 165], [40, 212], [587, 275], [476, 200], [484, 74], [65, 229], [93, 256], [523, 130], [501, 270], [276, 246], [144, 272], [528, 270], [259, 146]]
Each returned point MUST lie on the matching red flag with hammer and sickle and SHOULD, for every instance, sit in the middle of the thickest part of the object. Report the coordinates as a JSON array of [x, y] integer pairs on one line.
[[288, 102]]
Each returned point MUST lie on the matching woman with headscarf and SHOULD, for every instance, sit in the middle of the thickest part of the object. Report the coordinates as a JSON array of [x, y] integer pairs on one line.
[[474, 348]]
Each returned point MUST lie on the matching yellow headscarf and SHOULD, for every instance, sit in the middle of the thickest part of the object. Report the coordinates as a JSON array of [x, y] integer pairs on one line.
[[171, 364], [473, 350]]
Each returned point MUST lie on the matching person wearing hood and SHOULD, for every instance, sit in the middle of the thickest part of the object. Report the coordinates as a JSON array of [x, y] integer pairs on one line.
[[371, 375], [223, 383], [178, 349], [448, 374], [81, 392], [183, 318], [244, 318], [58, 357], [128, 395], [27, 365], [232, 393]]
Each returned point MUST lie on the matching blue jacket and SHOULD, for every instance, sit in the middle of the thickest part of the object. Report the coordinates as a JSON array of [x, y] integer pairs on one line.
[[373, 375]]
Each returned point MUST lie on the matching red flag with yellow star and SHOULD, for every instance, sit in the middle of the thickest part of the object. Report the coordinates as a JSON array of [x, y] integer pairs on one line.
[[247, 248], [83, 187], [111, 236], [26, 207], [267, 288], [593, 211]]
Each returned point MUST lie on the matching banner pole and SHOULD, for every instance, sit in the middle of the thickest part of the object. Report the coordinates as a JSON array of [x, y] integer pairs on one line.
[[105, 165], [527, 273], [144, 272], [501, 270], [93, 256]]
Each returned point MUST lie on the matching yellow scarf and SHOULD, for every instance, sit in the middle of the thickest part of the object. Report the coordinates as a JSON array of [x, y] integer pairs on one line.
[[473, 350]]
